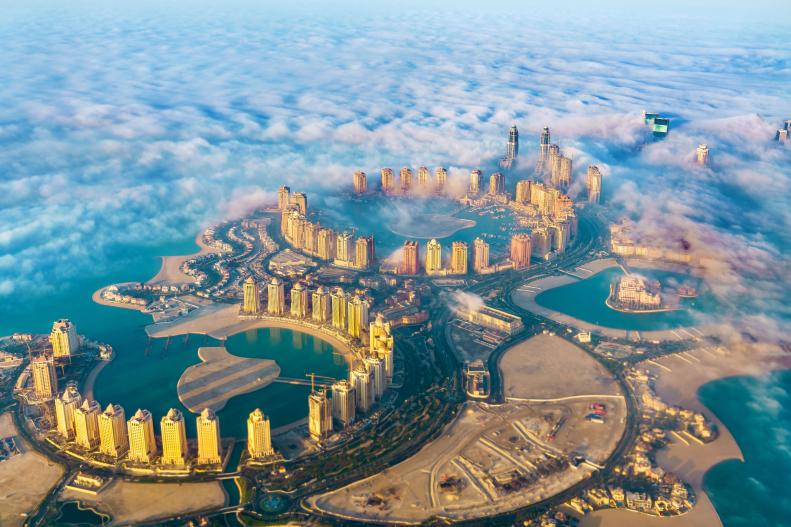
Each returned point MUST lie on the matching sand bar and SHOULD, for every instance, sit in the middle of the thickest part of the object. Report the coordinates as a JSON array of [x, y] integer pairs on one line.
[[222, 376], [170, 271]]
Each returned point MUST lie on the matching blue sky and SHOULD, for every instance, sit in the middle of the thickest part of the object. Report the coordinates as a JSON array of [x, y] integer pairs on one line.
[[136, 123]]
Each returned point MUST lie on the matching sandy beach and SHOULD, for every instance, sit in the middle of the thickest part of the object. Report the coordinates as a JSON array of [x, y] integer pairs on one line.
[[220, 321], [97, 297], [170, 271]]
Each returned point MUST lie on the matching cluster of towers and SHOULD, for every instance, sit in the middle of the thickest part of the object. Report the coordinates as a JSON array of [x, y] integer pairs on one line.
[[345, 312], [407, 182], [369, 377], [324, 243], [519, 255], [783, 133], [83, 422]]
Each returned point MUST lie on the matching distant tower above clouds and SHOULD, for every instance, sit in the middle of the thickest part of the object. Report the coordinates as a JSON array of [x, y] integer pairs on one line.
[[511, 149], [703, 155], [543, 150]]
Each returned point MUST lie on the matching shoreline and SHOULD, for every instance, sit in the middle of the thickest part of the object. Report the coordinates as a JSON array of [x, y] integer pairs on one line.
[[96, 296], [170, 269], [679, 378]]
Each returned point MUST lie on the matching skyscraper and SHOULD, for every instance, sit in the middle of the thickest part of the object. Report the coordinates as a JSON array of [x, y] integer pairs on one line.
[[276, 301], [322, 308], [174, 438], [561, 171], [343, 404], [423, 177], [252, 298], [259, 435], [381, 343], [65, 406], [409, 263], [496, 184], [360, 182], [357, 315], [540, 243], [481, 255], [376, 368], [364, 252], [458, 259], [142, 443], [299, 301], [326, 244], [209, 444], [86, 424], [522, 191], [388, 180], [339, 301], [442, 178], [113, 438], [594, 184], [475, 181], [405, 177], [360, 378], [45, 380], [345, 248], [703, 155], [283, 197], [433, 257], [544, 142], [319, 415], [64, 338], [301, 201], [512, 149], [520, 250]]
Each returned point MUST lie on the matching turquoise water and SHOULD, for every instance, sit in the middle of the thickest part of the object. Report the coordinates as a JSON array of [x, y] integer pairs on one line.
[[757, 411], [585, 300], [377, 214], [145, 377], [136, 380]]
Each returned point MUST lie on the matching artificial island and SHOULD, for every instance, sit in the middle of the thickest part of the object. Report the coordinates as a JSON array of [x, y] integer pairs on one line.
[[382, 372]]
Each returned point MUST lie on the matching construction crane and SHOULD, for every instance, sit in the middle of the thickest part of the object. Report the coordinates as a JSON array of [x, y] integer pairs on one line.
[[313, 377]]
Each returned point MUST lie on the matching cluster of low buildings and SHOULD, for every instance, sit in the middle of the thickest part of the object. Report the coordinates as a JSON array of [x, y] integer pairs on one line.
[[670, 497], [635, 293]]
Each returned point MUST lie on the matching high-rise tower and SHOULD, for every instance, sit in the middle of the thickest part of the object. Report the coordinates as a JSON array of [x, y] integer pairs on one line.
[[86, 424], [252, 297], [442, 178], [410, 259], [174, 438], [433, 257], [360, 182], [343, 405], [388, 180], [319, 415], [299, 301], [481, 255], [65, 406], [594, 184], [113, 437], [381, 343], [64, 338], [405, 178], [520, 250], [702, 155], [321, 308], [142, 443], [45, 379], [259, 435], [276, 301], [512, 149], [458, 259], [209, 444], [475, 181]]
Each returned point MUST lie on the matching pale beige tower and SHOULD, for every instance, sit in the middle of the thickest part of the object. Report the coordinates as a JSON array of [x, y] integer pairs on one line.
[[522, 191], [441, 176], [381, 344], [65, 406], [433, 257], [300, 200], [388, 180], [251, 304], [360, 181], [321, 305], [142, 442], [423, 177], [376, 368], [319, 415], [364, 252], [64, 339], [209, 445], [275, 299], [173, 430], [326, 244], [702, 155], [360, 379], [521, 250], [405, 178], [345, 247], [45, 379], [343, 404], [458, 260], [594, 184], [480, 255], [86, 424], [283, 197], [299, 301], [259, 435], [496, 184], [475, 181], [113, 437]]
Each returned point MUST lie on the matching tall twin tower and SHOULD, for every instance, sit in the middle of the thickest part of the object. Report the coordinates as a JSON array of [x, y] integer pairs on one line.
[[511, 149]]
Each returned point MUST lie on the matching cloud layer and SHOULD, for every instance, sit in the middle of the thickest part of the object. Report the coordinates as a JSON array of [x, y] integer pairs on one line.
[[137, 125]]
